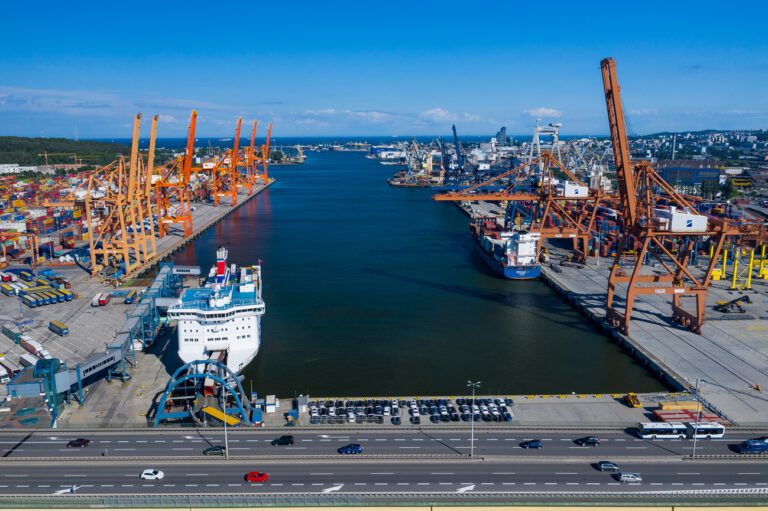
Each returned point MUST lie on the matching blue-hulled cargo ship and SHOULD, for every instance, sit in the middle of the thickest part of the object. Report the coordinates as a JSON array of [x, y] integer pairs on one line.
[[511, 254]]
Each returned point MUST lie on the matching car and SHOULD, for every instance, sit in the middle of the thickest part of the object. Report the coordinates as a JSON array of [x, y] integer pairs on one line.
[[351, 449], [607, 466], [532, 444], [79, 442], [215, 450], [257, 477], [588, 441], [152, 474], [752, 447], [629, 477], [283, 440]]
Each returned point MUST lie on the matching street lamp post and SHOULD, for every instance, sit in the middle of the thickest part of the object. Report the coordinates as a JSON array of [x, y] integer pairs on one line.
[[698, 418], [474, 385], [226, 438]]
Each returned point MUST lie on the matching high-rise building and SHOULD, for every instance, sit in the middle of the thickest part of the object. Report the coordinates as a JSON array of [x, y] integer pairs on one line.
[[501, 136]]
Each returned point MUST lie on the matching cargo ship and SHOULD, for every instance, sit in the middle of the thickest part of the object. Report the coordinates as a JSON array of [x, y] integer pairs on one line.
[[511, 254], [222, 319]]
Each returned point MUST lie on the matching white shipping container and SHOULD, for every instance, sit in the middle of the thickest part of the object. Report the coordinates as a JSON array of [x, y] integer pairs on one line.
[[572, 190], [28, 360], [688, 222], [4, 377], [95, 300]]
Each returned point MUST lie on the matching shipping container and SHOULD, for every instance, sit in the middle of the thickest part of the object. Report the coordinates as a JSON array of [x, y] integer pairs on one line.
[[42, 299], [33, 290], [4, 376], [67, 294], [59, 328], [104, 299], [7, 290], [131, 297], [28, 360], [95, 300], [27, 276], [58, 295], [9, 365]]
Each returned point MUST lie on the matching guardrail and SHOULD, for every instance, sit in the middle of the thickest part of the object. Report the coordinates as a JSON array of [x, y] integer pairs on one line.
[[703, 496]]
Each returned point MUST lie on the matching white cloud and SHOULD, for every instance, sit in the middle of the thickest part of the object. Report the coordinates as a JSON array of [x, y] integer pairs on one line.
[[543, 111], [643, 111], [438, 115], [470, 117]]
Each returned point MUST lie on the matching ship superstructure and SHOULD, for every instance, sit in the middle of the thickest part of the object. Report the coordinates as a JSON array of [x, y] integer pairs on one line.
[[222, 319]]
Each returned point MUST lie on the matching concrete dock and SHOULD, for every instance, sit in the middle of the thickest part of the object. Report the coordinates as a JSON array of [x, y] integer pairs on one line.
[[730, 357]]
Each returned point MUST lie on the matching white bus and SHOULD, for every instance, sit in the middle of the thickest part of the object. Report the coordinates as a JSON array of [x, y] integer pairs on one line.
[[705, 429], [650, 430]]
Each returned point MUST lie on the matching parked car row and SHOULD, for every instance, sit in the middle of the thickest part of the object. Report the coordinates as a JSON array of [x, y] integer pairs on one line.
[[371, 411]]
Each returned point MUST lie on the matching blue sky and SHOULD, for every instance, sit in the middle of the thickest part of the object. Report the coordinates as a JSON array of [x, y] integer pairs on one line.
[[389, 68]]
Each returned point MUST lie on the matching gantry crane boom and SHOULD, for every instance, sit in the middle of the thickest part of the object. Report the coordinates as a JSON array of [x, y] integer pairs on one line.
[[172, 189], [624, 171]]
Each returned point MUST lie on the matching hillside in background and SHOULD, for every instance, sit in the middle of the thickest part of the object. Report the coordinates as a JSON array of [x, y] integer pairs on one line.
[[29, 151]]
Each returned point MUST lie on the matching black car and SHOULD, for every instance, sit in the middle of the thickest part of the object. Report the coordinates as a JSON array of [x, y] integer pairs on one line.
[[283, 440], [79, 442], [588, 441], [216, 450]]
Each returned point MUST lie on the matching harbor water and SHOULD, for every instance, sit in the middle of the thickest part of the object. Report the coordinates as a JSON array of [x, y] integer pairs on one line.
[[373, 290]]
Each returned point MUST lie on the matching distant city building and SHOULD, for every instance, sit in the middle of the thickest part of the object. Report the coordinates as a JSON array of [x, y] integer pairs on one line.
[[501, 136]]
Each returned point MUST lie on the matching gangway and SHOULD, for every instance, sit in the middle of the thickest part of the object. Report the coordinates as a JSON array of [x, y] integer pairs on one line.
[[218, 415]]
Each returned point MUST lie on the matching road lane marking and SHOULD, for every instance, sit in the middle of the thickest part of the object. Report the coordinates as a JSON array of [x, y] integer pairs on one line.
[[749, 473], [465, 489], [503, 473], [75, 475], [16, 475], [409, 447], [196, 475], [442, 473], [689, 473], [382, 473], [566, 473], [321, 473], [295, 448]]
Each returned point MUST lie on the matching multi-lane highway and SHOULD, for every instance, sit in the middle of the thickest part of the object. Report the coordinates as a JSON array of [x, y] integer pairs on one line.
[[395, 463], [364, 476], [412, 443]]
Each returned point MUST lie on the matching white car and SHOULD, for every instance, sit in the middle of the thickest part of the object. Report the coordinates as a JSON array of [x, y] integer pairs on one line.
[[629, 477], [151, 474]]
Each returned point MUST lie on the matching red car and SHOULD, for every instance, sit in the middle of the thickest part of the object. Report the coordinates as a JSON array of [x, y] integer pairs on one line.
[[257, 477]]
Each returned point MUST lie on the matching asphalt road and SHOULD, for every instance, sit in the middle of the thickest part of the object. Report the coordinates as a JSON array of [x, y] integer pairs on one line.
[[413, 443], [361, 476]]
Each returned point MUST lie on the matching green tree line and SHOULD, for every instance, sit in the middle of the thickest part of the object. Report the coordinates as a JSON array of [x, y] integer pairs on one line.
[[29, 151]]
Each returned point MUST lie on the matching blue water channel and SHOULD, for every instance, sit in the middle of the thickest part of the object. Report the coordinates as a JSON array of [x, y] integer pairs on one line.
[[373, 290]]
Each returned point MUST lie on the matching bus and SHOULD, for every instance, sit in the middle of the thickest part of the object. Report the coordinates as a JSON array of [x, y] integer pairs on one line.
[[651, 430], [58, 327], [221, 417], [705, 429]]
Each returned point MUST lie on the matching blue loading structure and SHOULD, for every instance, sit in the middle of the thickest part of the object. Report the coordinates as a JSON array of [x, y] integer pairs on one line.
[[58, 384], [198, 372]]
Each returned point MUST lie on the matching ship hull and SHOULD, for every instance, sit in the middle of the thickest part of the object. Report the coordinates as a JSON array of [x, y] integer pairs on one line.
[[520, 272]]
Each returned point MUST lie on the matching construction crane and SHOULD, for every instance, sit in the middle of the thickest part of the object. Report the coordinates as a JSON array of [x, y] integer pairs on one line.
[[265, 155], [225, 174], [657, 226], [534, 185], [172, 188]]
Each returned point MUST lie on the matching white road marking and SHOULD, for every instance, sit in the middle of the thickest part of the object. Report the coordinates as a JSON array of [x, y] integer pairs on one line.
[[688, 473], [333, 488], [503, 473], [565, 473], [321, 473], [382, 473], [465, 489]]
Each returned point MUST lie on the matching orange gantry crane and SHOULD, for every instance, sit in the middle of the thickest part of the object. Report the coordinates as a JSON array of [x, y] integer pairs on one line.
[[119, 212], [552, 217], [225, 173], [665, 226], [252, 160], [6, 236], [172, 189]]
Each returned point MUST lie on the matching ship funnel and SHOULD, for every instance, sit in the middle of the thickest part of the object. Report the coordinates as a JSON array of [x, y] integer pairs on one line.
[[221, 261]]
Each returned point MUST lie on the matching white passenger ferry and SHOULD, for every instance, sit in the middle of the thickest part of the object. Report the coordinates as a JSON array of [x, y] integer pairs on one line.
[[222, 319]]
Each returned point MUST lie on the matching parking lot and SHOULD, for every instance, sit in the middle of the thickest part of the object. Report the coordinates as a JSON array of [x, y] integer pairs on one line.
[[414, 411]]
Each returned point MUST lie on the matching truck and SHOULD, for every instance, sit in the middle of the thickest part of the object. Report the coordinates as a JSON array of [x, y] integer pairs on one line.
[[4, 376], [28, 360], [34, 347], [58, 327], [130, 297], [95, 300], [9, 333], [104, 299], [9, 366]]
